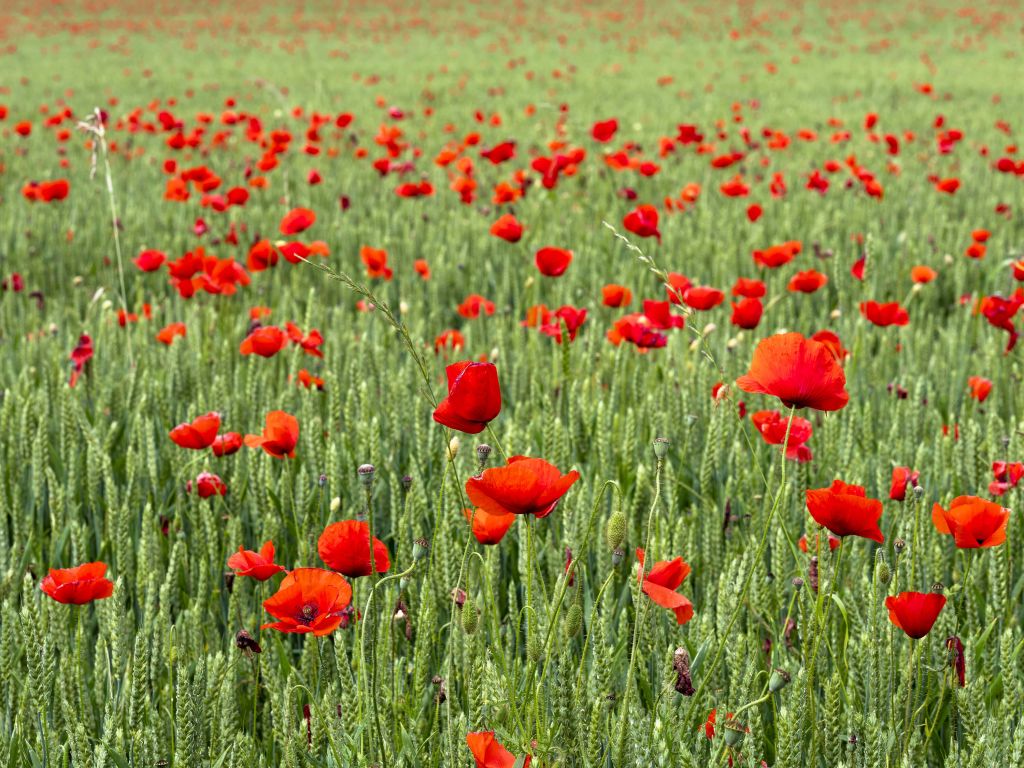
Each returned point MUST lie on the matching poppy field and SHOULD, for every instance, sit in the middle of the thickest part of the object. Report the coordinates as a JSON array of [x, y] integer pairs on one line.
[[576, 385]]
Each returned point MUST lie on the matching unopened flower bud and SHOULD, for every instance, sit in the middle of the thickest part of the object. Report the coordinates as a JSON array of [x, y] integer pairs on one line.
[[573, 620], [780, 679], [470, 617], [366, 473], [918, 492], [335, 504], [534, 647], [322, 480], [797, 582], [883, 573], [453, 448], [615, 531], [661, 445], [899, 545]]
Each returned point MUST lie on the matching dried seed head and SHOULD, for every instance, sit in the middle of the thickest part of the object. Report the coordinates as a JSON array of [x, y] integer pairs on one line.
[[246, 644], [735, 732], [615, 531], [938, 588], [366, 473], [681, 664]]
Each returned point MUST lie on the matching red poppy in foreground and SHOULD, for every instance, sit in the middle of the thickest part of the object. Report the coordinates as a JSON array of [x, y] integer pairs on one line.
[[197, 434], [308, 600], [256, 565], [552, 262], [79, 585], [661, 583], [488, 528], [297, 220], [474, 397], [345, 547], [915, 612], [801, 372], [507, 228], [772, 427], [488, 753], [265, 342], [972, 522], [524, 486], [226, 444], [846, 511], [280, 435]]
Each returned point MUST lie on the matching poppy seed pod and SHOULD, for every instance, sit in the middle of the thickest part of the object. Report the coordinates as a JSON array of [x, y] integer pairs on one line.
[[420, 549], [366, 473], [483, 453], [899, 545], [938, 588], [661, 445], [615, 531], [780, 679], [734, 733]]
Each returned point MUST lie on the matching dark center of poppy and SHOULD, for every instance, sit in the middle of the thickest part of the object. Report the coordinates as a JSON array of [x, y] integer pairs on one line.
[[309, 612]]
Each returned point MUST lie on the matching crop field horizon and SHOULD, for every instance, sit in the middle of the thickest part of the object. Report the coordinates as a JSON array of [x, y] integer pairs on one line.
[[465, 385]]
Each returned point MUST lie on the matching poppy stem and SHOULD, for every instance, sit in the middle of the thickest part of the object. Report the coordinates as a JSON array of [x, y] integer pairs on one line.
[[908, 726], [497, 443], [586, 640], [962, 602]]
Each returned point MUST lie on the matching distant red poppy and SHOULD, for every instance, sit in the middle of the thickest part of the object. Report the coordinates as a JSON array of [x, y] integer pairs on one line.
[[604, 130], [846, 511], [524, 486], [857, 270], [376, 261], [642, 221], [902, 477], [807, 281], [832, 341], [613, 295], [208, 484], [488, 528], [979, 387], [308, 600], [772, 426], [678, 285], [915, 612], [1005, 475], [150, 261], [746, 313], [507, 228], [661, 583], [702, 298], [775, 256], [168, 333], [310, 343], [265, 341], [308, 380], [297, 220], [884, 315], [197, 434], [474, 397], [473, 304], [972, 522], [800, 372], [79, 585], [488, 753], [256, 565], [80, 357], [565, 317], [226, 444], [833, 543], [552, 262], [922, 274], [345, 547], [750, 288], [280, 435]]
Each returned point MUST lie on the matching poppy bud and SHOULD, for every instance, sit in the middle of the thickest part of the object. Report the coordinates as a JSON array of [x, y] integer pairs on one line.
[[918, 492], [899, 545], [661, 445], [734, 733], [453, 448], [406, 483], [483, 453], [459, 597], [797, 583], [573, 620], [366, 473], [617, 555], [534, 647], [615, 531], [322, 480], [780, 679], [335, 504], [420, 549], [470, 617], [681, 664], [882, 573]]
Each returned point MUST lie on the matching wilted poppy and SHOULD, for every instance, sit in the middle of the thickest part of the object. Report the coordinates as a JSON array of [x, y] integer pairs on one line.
[[800, 372], [846, 511], [552, 262], [661, 583], [972, 522], [474, 397], [280, 435], [198, 433], [345, 547], [488, 528], [79, 585], [256, 565], [308, 600], [208, 484], [524, 486], [915, 612], [488, 753]]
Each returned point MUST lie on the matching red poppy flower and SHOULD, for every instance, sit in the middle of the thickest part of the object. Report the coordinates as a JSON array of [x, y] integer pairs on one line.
[[256, 565], [846, 511], [149, 261], [80, 357], [833, 343], [678, 285], [915, 612], [638, 330], [901, 478], [642, 221], [749, 288], [567, 317], [507, 228], [297, 220], [661, 583], [703, 298], [474, 397], [226, 444], [524, 486], [808, 281], [552, 262], [800, 372], [473, 304], [884, 315], [488, 753], [857, 270], [310, 343], [923, 274], [659, 314], [280, 435], [980, 388], [775, 256], [833, 543], [1006, 476], [197, 434], [488, 528], [79, 585], [746, 313], [209, 484], [376, 261], [168, 334], [308, 380], [345, 547], [972, 522], [772, 426], [308, 600], [613, 295], [265, 341], [604, 130]]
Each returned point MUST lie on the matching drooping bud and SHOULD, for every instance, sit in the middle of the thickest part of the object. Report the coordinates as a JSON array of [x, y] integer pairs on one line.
[[681, 664], [366, 473], [615, 530], [661, 445], [955, 650], [470, 617], [883, 573], [780, 679], [812, 574]]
